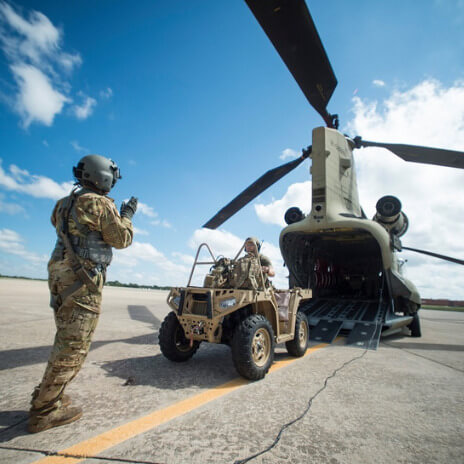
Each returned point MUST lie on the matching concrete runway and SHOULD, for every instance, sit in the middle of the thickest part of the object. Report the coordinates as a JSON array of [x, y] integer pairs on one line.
[[403, 403]]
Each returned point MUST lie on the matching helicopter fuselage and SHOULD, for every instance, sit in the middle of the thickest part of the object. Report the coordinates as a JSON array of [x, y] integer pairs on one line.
[[336, 250]]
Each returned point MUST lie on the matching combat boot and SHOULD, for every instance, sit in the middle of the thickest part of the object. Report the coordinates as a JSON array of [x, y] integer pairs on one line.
[[55, 418]]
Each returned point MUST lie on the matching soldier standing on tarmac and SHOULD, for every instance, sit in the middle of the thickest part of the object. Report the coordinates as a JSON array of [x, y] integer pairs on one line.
[[88, 225]]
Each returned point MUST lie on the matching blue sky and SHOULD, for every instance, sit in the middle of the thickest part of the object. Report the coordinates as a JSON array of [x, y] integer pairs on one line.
[[193, 103]]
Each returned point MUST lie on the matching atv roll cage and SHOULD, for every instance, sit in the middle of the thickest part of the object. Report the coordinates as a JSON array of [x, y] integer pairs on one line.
[[215, 261]]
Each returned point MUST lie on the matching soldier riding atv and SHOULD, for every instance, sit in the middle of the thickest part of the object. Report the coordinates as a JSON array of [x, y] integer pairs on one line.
[[236, 306]]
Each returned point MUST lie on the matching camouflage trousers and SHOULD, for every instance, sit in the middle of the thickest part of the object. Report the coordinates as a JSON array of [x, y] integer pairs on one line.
[[75, 325]]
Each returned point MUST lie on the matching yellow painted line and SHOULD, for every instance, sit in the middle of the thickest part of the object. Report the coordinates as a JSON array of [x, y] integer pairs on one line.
[[102, 442]]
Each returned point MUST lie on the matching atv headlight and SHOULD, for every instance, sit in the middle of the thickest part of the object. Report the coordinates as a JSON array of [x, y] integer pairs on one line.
[[226, 304]]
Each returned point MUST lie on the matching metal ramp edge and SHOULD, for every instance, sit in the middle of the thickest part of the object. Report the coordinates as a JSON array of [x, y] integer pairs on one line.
[[325, 331], [363, 319], [365, 335]]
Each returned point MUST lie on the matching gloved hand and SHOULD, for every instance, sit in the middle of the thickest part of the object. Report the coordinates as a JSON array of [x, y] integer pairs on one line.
[[129, 208]]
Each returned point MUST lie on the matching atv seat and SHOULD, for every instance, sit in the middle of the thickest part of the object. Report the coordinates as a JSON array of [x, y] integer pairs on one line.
[[283, 299]]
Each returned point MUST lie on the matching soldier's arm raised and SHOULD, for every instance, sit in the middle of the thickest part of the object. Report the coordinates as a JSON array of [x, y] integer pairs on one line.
[[117, 231]]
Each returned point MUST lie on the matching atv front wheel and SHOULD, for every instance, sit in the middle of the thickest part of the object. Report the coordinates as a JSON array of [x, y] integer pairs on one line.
[[298, 346], [172, 340], [253, 347]]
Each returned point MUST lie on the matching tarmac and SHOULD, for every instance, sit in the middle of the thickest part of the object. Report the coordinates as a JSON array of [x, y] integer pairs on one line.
[[403, 403]]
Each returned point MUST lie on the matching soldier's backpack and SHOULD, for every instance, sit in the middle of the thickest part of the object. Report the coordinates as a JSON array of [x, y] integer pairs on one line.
[[218, 276], [246, 274]]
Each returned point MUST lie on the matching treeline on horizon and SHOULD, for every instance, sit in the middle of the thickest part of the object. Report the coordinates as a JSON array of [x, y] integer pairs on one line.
[[113, 283], [116, 283]]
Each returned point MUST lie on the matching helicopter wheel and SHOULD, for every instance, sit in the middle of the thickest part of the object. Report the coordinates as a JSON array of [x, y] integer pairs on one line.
[[298, 346], [414, 326]]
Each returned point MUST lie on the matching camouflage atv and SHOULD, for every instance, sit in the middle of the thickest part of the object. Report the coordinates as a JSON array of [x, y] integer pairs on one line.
[[236, 306]]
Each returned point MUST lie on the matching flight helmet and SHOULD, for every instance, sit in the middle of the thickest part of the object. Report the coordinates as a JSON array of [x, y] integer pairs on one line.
[[97, 172]]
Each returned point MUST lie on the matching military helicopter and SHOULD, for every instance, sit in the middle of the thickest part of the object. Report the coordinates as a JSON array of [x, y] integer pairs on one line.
[[349, 261]]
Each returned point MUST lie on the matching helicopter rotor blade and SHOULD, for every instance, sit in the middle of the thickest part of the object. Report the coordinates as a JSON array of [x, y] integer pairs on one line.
[[290, 28], [418, 154], [435, 255], [257, 187]]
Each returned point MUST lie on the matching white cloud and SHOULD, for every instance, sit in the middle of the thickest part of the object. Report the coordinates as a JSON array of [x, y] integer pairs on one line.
[[106, 94], [75, 144], [428, 114], [9, 208], [141, 256], [224, 243], [298, 194], [86, 109], [220, 242], [20, 180], [378, 83], [416, 116], [162, 223], [35, 39], [138, 231], [33, 48], [69, 61], [12, 243], [186, 259], [32, 38], [146, 210], [37, 100], [289, 153]]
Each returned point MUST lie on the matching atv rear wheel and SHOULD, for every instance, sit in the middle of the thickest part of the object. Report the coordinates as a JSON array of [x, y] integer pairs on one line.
[[253, 347], [414, 326], [173, 343], [298, 346]]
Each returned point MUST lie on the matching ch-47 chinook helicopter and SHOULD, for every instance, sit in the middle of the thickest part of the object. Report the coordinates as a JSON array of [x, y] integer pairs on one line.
[[349, 261]]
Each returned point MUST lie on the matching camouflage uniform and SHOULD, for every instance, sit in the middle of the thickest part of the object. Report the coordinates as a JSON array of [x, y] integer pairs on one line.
[[265, 261], [76, 317], [247, 272]]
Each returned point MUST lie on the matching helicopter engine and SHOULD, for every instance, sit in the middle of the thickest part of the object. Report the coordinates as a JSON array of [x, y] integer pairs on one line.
[[390, 216], [293, 214]]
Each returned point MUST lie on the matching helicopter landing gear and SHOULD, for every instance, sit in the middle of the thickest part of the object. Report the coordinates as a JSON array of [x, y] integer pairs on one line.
[[414, 326]]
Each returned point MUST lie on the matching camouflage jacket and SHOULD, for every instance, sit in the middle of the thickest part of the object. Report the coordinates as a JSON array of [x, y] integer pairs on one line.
[[99, 214], [264, 260]]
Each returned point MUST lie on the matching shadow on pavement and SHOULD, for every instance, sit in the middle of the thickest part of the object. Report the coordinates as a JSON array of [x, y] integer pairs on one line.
[[16, 424], [10, 359], [210, 366], [143, 314], [424, 346]]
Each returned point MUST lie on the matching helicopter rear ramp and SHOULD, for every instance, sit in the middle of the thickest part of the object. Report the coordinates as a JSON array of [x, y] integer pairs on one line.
[[361, 321]]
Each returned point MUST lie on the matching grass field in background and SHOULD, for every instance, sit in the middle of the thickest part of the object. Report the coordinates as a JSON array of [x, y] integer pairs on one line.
[[444, 308]]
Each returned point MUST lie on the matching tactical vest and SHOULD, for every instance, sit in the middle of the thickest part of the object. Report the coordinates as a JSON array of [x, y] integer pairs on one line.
[[90, 245], [246, 273]]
